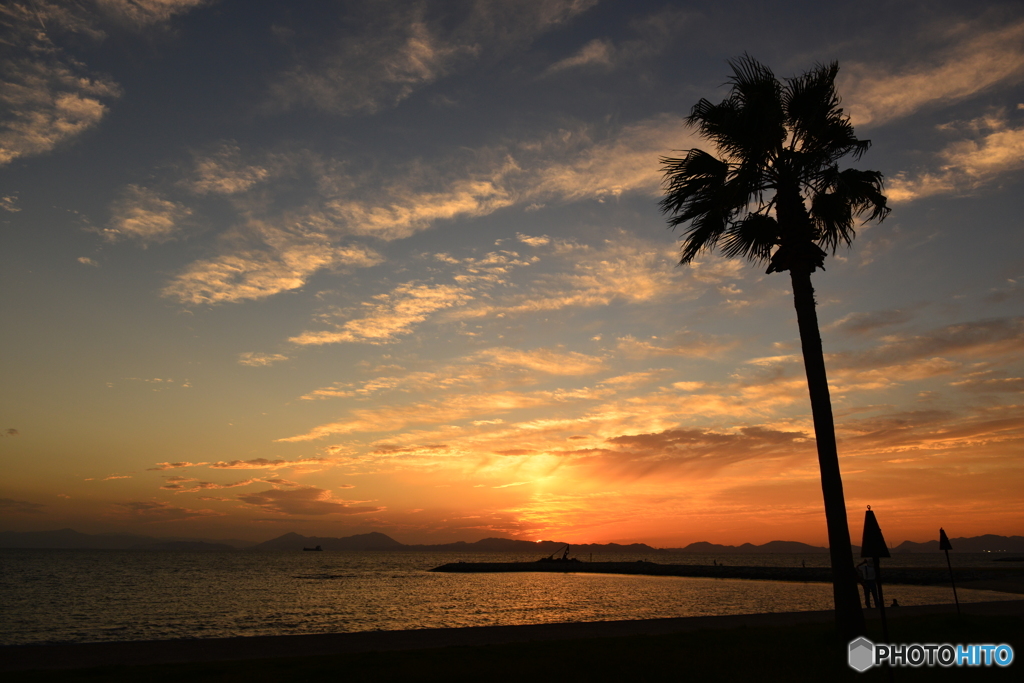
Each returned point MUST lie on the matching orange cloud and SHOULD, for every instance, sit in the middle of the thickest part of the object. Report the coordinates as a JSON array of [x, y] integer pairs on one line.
[[157, 511], [307, 500], [264, 463], [160, 466]]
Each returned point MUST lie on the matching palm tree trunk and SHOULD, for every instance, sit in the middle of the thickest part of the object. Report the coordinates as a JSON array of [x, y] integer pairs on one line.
[[849, 618]]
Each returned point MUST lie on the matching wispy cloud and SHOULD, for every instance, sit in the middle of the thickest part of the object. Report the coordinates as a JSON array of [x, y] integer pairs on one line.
[[624, 269], [598, 52], [654, 31], [159, 511], [548, 361], [865, 323], [307, 500], [400, 48], [49, 102], [225, 171], [408, 210], [703, 450], [991, 384], [50, 96], [141, 13], [142, 214], [994, 148], [758, 415], [377, 69], [20, 507], [620, 270], [284, 261], [268, 253], [578, 167], [685, 344], [974, 61], [265, 464], [933, 431], [488, 370], [185, 485], [161, 466], [254, 359], [452, 408], [974, 339], [391, 315]]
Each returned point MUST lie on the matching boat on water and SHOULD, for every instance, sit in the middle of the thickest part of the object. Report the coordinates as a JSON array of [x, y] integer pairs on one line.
[[316, 548], [564, 558]]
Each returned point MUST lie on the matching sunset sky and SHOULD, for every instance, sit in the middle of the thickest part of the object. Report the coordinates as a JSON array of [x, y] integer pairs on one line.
[[338, 267]]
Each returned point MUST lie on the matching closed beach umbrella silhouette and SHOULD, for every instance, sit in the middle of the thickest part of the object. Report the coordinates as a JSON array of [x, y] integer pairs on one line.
[[873, 545], [946, 546]]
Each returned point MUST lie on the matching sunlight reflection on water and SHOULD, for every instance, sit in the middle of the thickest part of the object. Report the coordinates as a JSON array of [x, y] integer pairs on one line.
[[80, 595]]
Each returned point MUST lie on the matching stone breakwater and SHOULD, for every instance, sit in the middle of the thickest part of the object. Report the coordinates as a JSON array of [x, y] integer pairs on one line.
[[895, 575]]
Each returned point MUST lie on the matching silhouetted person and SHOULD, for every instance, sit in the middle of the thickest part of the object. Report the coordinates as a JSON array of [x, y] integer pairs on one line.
[[895, 603], [867, 579]]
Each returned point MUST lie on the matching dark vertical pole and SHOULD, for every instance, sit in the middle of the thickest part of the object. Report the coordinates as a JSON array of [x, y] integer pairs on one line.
[[948, 564], [881, 599], [945, 545]]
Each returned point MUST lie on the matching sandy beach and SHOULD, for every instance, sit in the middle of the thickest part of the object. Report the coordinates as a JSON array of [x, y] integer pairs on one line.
[[84, 655]]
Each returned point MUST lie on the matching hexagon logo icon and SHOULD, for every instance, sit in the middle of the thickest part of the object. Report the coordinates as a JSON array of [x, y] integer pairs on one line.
[[862, 654]]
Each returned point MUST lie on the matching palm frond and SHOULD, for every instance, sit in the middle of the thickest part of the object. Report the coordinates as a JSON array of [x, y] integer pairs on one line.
[[690, 183], [846, 195], [698, 191], [776, 140], [753, 238], [750, 124], [863, 190], [822, 132]]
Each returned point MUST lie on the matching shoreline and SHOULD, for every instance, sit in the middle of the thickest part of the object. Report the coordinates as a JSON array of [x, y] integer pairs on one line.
[[70, 656], [1003, 579]]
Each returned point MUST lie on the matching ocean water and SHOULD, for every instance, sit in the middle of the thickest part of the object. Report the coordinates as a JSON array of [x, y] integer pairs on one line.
[[51, 596]]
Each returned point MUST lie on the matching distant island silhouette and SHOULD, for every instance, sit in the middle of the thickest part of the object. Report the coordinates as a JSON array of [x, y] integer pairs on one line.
[[71, 539]]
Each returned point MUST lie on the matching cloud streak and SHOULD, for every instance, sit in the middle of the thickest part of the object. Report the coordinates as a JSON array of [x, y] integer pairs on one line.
[[286, 262], [10, 506], [994, 149], [266, 464], [142, 214], [400, 48], [306, 500], [159, 511], [48, 96], [976, 61], [391, 315]]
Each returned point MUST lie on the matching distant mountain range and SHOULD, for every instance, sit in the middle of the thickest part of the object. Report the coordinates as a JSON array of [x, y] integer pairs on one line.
[[976, 544], [70, 539]]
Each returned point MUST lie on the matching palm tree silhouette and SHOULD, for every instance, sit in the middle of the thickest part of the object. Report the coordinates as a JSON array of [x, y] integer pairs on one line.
[[777, 187]]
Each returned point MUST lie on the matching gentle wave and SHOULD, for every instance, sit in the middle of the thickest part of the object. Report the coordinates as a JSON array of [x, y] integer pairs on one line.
[[91, 596]]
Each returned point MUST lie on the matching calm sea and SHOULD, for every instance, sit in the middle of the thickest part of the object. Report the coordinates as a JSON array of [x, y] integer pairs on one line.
[[103, 595]]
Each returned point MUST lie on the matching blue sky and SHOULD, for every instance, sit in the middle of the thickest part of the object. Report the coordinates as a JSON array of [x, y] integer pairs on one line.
[[399, 266]]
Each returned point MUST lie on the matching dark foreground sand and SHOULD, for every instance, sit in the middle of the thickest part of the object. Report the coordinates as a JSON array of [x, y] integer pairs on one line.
[[82, 655]]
